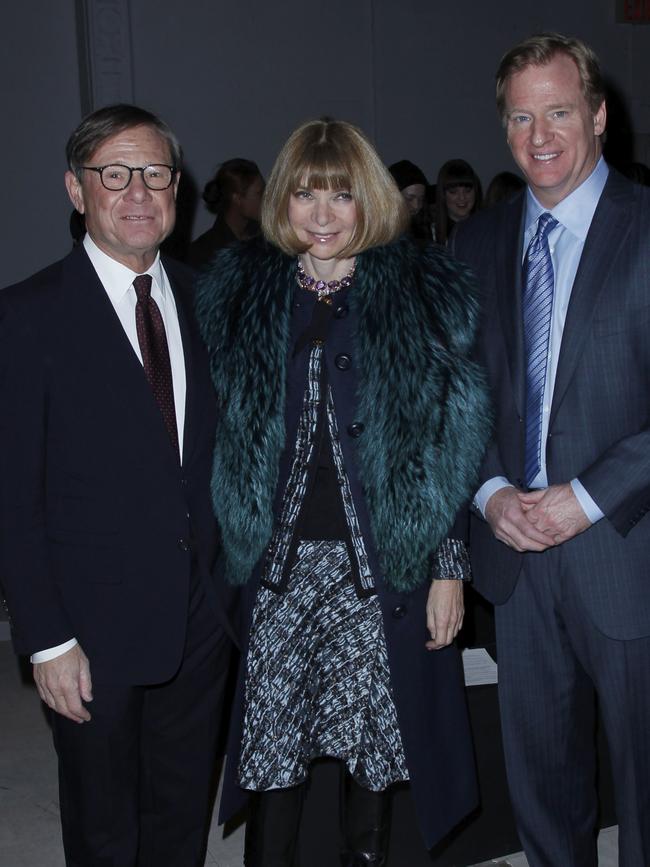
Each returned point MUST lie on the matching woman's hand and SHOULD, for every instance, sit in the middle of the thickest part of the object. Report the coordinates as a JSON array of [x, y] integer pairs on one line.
[[445, 610]]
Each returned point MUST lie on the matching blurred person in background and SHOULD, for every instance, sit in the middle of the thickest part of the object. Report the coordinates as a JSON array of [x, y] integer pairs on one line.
[[234, 194], [458, 195], [412, 184], [503, 187]]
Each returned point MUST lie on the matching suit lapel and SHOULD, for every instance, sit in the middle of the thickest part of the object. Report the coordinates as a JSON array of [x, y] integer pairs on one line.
[[608, 230], [105, 354], [508, 274]]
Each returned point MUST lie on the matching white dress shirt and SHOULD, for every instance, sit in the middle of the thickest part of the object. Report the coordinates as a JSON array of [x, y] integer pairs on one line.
[[566, 242], [117, 280]]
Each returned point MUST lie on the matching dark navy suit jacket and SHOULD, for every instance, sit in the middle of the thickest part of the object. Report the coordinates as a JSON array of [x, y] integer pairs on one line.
[[599, 427], [99, 524]]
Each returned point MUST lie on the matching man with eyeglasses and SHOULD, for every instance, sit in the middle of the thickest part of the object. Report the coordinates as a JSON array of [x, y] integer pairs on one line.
[[107, 537]]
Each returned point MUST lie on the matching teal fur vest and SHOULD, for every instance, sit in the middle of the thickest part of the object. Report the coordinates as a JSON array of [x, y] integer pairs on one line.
[[422, 400]]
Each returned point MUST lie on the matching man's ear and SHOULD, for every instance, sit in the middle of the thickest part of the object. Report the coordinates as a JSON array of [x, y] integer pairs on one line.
[[75, 191], [600, 119]]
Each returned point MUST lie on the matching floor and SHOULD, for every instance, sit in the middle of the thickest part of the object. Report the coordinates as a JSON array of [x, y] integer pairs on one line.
[[29, 825]]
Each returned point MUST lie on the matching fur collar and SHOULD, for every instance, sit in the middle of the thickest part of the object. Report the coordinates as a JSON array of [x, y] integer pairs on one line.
[[423, 403]]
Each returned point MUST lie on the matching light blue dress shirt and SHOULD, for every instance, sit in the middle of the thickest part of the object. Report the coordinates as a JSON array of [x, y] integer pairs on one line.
[[566, 242]]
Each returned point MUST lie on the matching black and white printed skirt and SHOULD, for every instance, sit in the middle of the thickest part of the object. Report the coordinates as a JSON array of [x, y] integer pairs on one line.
[[317, 680]]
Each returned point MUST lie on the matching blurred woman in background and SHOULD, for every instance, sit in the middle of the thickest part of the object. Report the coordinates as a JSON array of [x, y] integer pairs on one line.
[[502, 188], [234, 194], [458, 195], [412, 184]]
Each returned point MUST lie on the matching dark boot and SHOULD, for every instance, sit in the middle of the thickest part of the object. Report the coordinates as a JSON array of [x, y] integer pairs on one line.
[[272, 828], [365, 825]]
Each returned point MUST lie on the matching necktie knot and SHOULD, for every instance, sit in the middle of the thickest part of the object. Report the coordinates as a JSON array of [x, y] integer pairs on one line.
[[142, 286], [545, 226]]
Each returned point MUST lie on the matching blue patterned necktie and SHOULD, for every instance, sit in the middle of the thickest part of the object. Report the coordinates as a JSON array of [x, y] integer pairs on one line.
[[537, 309]]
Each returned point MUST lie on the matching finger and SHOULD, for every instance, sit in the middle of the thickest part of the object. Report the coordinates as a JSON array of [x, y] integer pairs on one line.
[[68, 703], [533, 497], [85, 683], [438, 643], [43, 688], [73, 707], [442, 635], [72, 711], [529, 531], [517, 528], [46, 697], [531, 540]]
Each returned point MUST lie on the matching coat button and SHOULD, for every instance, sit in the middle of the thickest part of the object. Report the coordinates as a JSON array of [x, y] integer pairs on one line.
[[341, 311], [355, 429], [343, 361], [183, 545], [399, 611]]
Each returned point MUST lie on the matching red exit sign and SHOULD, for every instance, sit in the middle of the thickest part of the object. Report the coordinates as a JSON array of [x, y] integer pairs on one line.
[[633, 11]]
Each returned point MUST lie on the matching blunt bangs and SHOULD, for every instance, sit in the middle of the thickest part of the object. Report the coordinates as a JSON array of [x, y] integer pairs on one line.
[[322, 165]]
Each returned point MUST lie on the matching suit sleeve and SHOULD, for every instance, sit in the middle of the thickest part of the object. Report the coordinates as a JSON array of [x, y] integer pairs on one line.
[[619, 481], [37, 617]]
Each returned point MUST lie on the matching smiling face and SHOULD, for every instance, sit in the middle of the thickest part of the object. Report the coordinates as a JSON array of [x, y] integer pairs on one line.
[[128, 225], [460, 200], [323, 219], [552, 133]]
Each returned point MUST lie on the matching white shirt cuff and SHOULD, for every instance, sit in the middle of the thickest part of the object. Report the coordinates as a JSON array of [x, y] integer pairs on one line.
[[589, 507], [52, 652], [487, 489]]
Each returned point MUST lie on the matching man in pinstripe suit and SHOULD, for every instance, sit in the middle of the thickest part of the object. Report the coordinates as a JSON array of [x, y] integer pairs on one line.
[[560, 541]]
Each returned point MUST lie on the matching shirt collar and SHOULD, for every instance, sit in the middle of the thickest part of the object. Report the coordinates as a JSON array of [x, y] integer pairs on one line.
[[116, 278], [576, 211]]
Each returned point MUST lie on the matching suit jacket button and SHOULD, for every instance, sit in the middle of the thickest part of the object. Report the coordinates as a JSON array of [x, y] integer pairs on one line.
[[343, 361], [355, 429], [183, 545], [399, 611], [341, 311]]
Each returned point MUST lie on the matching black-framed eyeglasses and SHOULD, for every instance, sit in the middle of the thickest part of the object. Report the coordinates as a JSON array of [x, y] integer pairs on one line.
[[118, 177]]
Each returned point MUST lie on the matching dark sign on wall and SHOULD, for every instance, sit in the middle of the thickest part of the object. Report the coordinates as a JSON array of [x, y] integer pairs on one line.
[[633, 11]]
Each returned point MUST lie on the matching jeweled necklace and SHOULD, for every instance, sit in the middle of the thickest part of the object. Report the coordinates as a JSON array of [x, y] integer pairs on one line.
[[323, 287]]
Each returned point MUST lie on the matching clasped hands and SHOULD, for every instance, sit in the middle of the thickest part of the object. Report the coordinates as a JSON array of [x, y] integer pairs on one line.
[[535, 520]]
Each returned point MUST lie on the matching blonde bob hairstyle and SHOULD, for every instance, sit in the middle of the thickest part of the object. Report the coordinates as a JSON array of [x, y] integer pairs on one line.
[[333, 155]]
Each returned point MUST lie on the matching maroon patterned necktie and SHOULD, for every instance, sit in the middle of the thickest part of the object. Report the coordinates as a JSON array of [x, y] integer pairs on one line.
[[155, 353]]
